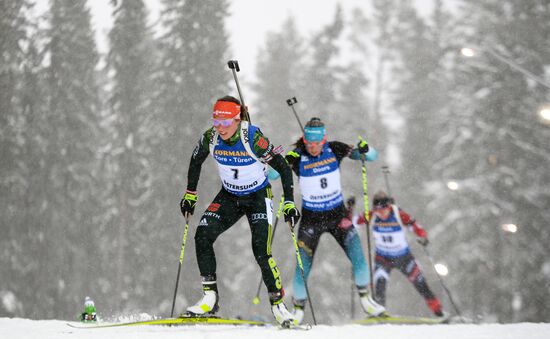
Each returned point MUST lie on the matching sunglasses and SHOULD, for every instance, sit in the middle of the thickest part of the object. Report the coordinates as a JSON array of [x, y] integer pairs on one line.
[[222, 122]]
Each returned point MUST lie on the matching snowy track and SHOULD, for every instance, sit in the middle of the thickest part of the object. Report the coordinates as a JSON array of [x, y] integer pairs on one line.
[[50, 329]]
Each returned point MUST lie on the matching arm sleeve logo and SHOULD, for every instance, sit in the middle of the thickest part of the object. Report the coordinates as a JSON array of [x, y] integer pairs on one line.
[[262, 143]]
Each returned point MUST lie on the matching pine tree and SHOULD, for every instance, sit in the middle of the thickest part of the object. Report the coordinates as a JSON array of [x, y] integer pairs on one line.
[[322, 74], [73, 122], [383, 22], [133, 129], [194, 62], [18, 188], [194, 73], [12, 33], [421, 97], [421, 94], [280, 74], [494, 152]]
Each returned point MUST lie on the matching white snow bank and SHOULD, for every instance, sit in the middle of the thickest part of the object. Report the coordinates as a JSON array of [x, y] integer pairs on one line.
[[50, 329]]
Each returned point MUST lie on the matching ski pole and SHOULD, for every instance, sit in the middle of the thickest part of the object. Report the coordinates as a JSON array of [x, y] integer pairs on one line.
[[234, 66], [441, 281], [256, 299], [299, 260], [349, 211], [352, 296], [290, 102], [386, 172], [367, 221], [181, 262]]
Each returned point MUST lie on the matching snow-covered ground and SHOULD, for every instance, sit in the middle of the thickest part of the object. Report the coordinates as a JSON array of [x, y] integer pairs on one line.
[[56, 329]]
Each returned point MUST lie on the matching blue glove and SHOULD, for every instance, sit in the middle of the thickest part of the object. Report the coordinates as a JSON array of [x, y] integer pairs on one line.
[[372, 154], [272, 174]]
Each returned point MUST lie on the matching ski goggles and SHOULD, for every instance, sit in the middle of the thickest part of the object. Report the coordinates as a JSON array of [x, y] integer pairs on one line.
[[222, 122], [382, 203]]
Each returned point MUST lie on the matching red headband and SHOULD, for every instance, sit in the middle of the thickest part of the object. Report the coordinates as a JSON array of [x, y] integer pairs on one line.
[[226, 110]]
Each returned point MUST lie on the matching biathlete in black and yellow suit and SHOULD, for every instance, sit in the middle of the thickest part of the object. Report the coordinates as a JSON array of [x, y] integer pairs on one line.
[[316, 162], [242, 154]]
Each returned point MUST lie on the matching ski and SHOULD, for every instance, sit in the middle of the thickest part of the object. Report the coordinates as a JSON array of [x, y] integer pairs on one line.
[[401, 320], [180, 321]]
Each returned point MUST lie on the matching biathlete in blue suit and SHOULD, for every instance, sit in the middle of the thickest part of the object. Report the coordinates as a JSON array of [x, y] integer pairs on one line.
[[316, 162]]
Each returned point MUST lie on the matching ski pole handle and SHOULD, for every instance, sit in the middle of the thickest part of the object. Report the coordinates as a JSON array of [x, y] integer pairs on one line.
[[234, 64], [291, 101]]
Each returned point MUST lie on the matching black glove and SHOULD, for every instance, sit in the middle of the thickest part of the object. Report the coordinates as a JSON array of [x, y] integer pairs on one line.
[[362, 146], [291, 213], [423, 241], [188, 203]]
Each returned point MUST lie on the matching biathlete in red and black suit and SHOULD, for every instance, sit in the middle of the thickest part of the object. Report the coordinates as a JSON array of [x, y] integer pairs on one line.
[[387, 222]]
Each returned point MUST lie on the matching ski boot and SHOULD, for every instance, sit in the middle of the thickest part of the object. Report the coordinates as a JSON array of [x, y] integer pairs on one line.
[[89, 314], [282, 315], [208, 304], [435, 306], [371, 307], [299, 307], [279, 310]]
